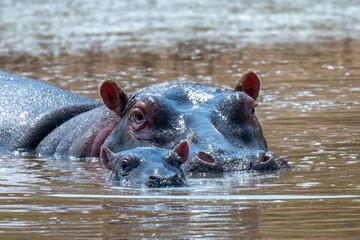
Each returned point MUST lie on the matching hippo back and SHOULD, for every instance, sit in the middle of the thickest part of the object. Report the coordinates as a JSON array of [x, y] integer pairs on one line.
[[30, 110]]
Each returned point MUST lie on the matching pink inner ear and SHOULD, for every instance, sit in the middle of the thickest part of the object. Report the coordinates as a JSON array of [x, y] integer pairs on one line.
[[251, 85], [183, 151], [110, 94], [109, 90]]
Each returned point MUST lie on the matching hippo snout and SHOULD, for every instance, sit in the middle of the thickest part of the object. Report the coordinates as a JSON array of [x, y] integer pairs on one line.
[[258, 160], [170, 181]]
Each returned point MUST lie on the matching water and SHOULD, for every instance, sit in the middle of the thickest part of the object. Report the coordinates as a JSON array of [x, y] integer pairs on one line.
[[308, 55], [65, 25]]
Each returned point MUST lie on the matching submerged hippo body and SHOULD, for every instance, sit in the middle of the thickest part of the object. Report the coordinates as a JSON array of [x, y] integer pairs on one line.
[[148, 166], [30, 110], [219, 124]]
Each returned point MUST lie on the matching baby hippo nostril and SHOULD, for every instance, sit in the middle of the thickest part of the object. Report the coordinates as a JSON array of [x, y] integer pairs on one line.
[[153, 178], [168, 181]]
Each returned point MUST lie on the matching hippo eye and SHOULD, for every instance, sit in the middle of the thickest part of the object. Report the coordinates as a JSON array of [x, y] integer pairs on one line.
[[124, 165], [138, 116], [125, 168], [128, 164]]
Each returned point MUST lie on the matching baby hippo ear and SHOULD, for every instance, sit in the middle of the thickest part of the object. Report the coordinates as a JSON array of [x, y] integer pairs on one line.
[[249, 84], [183, 151], [107, 158], [113, 96]]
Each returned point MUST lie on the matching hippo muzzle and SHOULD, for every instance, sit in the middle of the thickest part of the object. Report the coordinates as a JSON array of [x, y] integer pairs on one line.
[[147, 166], [171, 181], [238, 161]]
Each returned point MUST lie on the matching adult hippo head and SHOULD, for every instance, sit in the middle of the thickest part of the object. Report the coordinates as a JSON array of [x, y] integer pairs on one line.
[[219, 124]]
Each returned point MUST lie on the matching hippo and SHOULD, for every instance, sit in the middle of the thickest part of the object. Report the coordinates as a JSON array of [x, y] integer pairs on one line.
[[148, 166], [219, 125]]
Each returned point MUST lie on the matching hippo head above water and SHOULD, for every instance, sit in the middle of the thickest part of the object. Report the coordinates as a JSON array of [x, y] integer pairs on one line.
[[219, 124], [147, 166]]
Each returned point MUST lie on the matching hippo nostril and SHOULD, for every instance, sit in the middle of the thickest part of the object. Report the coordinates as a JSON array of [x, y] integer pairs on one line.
[[168, 181], [207, 158], [153, 178], [266, 162], [265, 158], [268, 156]]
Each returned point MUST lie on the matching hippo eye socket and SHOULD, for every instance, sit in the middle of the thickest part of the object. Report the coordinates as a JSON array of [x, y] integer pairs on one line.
[[125, 168], [138, 116], [128, 164], [124, 165]]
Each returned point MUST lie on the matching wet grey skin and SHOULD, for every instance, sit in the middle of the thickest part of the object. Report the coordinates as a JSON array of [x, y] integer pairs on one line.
[[147, 166], [30, 110], [219, 124]]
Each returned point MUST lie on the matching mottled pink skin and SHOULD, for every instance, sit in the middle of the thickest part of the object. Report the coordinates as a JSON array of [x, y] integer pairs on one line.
[[100, 138]]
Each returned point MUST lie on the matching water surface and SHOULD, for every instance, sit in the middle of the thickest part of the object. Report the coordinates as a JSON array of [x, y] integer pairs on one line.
[[309, 108]]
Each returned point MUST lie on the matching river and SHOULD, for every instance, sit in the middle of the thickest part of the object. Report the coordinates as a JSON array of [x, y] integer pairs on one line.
[[308, 55]]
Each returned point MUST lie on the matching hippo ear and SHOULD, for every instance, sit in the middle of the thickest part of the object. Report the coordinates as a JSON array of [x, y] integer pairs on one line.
[[249, 84], [183, 151], [113, 96], [107, 158]]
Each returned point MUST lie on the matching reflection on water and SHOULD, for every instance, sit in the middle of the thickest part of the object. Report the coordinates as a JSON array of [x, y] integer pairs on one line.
[[59, 26], [309, 109], [208, 197]]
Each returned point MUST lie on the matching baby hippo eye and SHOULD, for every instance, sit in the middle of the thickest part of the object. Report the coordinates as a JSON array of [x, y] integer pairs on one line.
[[125, 168], [128, 164]]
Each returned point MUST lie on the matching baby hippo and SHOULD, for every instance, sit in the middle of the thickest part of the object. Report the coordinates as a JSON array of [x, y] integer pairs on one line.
[[147, 166]]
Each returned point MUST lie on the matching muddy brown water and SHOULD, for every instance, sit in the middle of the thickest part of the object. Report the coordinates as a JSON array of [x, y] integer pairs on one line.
[[309, 108]]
